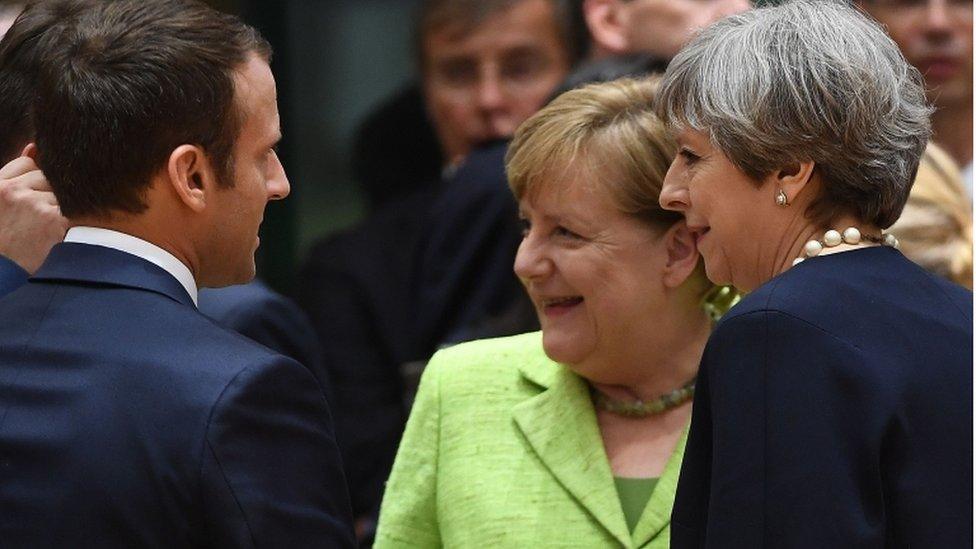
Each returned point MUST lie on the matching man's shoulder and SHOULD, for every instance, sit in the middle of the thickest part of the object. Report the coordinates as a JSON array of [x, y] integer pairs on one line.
[[126, 325]]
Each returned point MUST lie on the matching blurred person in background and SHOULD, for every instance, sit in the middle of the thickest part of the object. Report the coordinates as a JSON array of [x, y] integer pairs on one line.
[[936, 36], [572, 436], [31, 222], [935, 229], [630, 37], [478, 75], [834, 402], [485, 66]]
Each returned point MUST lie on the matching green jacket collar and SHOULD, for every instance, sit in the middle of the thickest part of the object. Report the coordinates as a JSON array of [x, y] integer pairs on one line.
[[560, 425]]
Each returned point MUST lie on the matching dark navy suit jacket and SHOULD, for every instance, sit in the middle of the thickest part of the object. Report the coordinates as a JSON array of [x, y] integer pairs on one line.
[[128, 419], [834, 409], [271, 319], [12, 276]]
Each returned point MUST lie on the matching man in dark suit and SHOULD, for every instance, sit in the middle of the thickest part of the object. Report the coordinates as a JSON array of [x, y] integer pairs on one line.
[[31, 223], [128, 418]]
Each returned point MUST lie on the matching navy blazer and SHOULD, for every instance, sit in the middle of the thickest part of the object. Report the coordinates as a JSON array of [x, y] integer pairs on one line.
[[271, 319], [128, 419], [12, 276], [834, 409]]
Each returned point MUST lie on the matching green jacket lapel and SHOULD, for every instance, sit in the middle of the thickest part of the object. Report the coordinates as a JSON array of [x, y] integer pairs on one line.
[[560, 425]]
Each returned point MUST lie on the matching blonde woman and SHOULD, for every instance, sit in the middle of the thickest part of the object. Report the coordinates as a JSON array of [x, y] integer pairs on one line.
[[572, 436]]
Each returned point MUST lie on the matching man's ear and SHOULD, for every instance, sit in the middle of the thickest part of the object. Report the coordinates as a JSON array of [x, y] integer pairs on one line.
[[792, 179], [191, 175], [605, 20], [683, 254]]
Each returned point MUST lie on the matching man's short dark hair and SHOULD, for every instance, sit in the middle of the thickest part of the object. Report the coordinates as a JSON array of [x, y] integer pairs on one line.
[[23, 46], [434, 15], [131, 81]]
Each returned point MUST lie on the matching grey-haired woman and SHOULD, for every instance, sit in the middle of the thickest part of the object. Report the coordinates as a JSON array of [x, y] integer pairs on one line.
[[834, 402]]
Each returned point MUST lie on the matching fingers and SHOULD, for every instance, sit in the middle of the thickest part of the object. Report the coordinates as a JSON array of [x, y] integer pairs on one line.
[[18, 167], [30, 188], [30, 151], [42, 197], [33, 180]]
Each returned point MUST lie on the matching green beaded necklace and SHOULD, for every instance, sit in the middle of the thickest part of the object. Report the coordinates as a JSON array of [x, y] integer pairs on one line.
[[639, 408]]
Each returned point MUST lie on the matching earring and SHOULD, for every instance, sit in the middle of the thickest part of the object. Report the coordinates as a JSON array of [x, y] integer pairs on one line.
[[781, 199]]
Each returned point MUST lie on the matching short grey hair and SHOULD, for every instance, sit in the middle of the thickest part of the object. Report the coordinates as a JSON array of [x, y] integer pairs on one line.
[[804, 81]]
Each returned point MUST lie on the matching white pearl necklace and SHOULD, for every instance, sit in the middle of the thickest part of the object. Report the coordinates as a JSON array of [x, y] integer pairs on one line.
[[851, 236]]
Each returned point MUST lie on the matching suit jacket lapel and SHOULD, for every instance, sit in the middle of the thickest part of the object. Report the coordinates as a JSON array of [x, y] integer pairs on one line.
[[86, 263], [657, 513], [560, 425]]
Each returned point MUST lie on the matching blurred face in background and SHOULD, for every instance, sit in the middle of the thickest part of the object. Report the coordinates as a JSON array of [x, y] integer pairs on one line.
[[936, 36], [660, 28], [481, 82]]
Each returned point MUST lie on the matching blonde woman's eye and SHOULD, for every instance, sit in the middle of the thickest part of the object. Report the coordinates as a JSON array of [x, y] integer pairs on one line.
[[566, 233]]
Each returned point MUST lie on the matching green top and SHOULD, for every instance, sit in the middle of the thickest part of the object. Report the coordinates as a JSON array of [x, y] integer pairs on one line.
[[503, 450], [634, 494]]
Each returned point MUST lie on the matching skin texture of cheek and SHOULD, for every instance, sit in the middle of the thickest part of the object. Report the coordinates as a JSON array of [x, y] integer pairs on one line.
[[569, 339]]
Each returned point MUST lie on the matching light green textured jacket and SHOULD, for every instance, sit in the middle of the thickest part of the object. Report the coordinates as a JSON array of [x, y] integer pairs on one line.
[[502, 449]]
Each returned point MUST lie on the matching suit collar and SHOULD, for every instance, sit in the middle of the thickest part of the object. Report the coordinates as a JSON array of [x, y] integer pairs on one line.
[[109, 238], [85, 263], [560, 425]]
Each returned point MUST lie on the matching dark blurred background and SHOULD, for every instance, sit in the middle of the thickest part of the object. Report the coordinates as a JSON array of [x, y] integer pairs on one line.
[[334, 61]]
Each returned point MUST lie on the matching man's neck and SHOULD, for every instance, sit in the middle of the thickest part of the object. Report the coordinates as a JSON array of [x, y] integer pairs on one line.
[[140, 228], [952, 128]]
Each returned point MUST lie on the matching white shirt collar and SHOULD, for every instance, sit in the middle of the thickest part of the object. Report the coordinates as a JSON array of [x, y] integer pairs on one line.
[[138, 247]]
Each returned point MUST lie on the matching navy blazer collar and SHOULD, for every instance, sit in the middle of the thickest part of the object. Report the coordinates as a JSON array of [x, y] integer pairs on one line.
[[75, 262]]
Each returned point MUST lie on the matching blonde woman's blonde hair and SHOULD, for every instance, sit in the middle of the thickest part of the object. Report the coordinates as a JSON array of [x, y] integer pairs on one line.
[[608, 134], [936, 228]]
